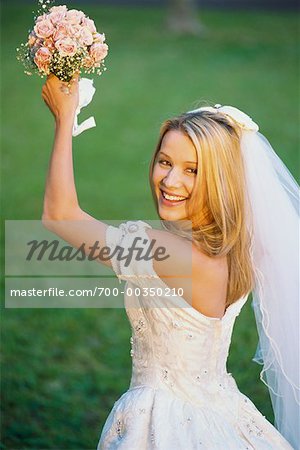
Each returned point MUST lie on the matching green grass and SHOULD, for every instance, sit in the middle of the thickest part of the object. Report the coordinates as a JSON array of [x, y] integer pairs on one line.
[[63, 369]]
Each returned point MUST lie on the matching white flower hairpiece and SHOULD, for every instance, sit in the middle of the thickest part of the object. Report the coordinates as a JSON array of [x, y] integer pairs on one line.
[[244, 121]]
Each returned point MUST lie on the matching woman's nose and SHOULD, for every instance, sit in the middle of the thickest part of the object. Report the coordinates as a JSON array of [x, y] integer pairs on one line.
[[172, 179]]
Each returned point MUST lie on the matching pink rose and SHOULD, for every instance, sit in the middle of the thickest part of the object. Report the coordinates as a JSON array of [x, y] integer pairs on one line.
[[63, 30], [66, 47], [61, 8], [74, 16], [38, 43], [75, 29], [31, 39], [57, 14], [90, 24], [88, 62], [42, 17], [99, 38], [50, 44], [42, 59], [44, 28], [85, 36], [98, 51]]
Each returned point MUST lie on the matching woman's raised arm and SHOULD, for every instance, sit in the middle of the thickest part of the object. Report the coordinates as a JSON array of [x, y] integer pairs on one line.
[[63, 215], [61, 212]]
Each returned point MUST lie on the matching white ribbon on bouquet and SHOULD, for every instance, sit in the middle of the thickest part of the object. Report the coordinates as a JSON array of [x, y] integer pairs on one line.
[[86, 93]]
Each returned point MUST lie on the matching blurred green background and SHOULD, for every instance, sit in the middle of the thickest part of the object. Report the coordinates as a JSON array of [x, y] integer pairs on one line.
[[63, 369]]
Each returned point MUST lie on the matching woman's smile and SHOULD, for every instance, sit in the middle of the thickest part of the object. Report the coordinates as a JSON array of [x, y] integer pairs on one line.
[[174, 175], [170, 199]]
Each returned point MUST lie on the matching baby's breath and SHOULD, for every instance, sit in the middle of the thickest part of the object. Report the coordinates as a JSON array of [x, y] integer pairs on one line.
[[64, 67], [43, 7]]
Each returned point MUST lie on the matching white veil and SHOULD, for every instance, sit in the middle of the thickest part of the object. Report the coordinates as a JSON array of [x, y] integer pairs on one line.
[[274, 200], [273, 217]]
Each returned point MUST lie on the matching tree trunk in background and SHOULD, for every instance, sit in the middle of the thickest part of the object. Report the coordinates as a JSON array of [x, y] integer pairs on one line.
[[183, 17]]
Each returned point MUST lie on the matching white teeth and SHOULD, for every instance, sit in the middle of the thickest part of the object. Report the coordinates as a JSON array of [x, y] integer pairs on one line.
[[172, 197]]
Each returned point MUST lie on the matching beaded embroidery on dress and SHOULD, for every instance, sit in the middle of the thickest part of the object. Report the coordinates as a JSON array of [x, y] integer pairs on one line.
[[180, 395]]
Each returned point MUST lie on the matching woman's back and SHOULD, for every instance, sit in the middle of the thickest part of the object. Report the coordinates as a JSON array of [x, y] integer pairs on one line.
[[203, 278]]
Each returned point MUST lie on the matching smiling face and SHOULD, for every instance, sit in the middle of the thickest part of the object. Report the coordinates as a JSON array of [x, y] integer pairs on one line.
[[174, 174]]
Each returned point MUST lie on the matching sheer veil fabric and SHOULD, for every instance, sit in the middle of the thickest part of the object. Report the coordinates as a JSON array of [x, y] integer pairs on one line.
[[274, 200], [273, 218]]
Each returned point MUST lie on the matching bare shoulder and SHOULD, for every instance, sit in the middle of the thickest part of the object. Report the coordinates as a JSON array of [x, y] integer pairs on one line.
[[209, 283], [203, 278]]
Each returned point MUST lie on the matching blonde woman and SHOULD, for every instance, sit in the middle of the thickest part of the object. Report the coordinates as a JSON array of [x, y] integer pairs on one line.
[[227, 206]]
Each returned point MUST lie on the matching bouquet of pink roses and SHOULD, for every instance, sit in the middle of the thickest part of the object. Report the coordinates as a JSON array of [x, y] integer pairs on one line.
[[63, 42]]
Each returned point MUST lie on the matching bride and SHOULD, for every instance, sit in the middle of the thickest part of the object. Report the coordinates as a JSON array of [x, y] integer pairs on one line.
[[228, 208]]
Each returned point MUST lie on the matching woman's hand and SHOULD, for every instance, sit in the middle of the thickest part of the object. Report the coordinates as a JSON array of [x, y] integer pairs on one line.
[[61, 99]]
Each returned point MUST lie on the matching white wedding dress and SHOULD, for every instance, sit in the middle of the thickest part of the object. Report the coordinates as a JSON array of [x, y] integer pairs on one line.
[[181, 396]]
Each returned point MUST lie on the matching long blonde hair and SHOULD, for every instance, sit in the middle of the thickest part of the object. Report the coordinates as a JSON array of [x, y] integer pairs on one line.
[[218, 203]]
